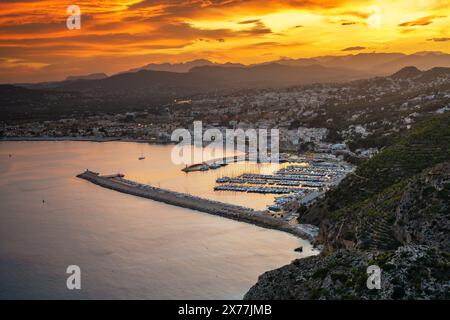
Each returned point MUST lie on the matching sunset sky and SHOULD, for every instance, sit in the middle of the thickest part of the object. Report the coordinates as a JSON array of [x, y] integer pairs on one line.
[[35, 44]]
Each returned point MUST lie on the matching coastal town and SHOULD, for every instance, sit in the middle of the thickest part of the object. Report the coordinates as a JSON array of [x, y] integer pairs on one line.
[[265, 219], [299, 181], [320, 143], [309, 118], [203, 152]]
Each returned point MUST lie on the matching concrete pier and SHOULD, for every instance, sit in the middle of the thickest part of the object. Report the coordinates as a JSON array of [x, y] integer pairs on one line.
[[240, 213]]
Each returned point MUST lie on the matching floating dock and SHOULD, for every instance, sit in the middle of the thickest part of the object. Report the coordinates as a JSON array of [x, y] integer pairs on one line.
[[261, 218]]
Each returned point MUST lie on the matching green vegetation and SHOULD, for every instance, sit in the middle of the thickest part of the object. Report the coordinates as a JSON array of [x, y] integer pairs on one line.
[[382, 259], [302, 209], [392, 212], [427, 145], [320, 274], [317, 293]]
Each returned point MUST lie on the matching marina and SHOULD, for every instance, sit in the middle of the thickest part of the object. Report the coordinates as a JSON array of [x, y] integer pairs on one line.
[[213, 164], [255, 189], [217, 163], [299, 183], [264, 219], [126, 246]]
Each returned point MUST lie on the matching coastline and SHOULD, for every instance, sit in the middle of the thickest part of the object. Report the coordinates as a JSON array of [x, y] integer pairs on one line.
[[123, 221], [187, 201], [256, 218], [81, 139]]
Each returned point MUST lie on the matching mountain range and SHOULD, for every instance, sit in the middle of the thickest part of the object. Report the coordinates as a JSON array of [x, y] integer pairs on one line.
[[377, 63], [183, 66], [372, 64], [200, 76], [92, 76], [203, 79]]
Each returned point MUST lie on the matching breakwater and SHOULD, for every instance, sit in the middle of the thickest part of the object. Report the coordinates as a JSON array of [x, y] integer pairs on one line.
[[239, 213]]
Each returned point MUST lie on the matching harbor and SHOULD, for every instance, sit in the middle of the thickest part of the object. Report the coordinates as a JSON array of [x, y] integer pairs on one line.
[[150, 246], [119, 183], [214, 163], [298, 183], [257, 193], [217, 163]]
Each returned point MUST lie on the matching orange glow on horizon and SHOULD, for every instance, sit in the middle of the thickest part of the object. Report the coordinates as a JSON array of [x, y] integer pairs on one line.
[[35, 44]]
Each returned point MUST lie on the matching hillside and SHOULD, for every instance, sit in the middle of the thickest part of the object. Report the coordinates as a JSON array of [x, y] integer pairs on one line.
[[376, 63], [183, 66], [421, 60], [410, 272], [426, 145], [92, 76], [413, 211], [392, 212], [205, 79], [383, 106]]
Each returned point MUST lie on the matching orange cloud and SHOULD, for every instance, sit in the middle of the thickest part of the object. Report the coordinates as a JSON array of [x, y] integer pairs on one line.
[[119, 35]]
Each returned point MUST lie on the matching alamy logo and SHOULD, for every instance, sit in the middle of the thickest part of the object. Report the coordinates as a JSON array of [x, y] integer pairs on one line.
[[74, 19], [74, 280], [374, 279]]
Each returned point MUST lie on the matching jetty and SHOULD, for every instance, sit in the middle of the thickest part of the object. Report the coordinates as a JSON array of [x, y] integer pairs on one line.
[[118, 183], [220, 162]]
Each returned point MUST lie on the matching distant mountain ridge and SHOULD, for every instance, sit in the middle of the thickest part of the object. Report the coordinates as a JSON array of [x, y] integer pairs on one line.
[[183, 66], [413, 72], [377, 63], [360, 61], [407, 72], [92, 76], [373, 64], [204, 79], [275, 73]]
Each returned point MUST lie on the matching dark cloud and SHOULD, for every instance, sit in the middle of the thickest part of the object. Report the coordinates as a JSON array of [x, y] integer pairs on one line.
[[33, 28], [348, 23], [54, 25], [357, 14], [439, 39], [356, 48], [407, 30], [249, 21], [424, 21]]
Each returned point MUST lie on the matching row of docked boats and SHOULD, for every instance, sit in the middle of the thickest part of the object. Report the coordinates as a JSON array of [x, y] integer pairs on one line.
[[300, 183], [204, 166], [280, 177], [289, 183], [255, 189]]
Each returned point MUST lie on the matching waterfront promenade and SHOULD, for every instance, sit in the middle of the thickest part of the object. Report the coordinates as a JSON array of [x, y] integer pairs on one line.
[[261, 218]]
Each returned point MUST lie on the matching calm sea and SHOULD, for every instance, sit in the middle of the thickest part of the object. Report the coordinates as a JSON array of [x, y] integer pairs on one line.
[[127, 247]]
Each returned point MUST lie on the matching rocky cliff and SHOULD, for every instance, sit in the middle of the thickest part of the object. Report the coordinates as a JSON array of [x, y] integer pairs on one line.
[[393, 212], [409, 272]]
